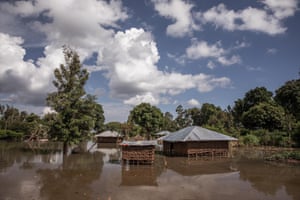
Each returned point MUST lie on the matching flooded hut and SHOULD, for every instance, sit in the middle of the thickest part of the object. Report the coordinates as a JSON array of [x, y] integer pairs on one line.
[[112, 137], [138, 152], [197, 142]]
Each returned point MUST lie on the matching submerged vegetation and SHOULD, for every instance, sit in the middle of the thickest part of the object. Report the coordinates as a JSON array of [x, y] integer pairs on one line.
[[259, 118], [285, 156]]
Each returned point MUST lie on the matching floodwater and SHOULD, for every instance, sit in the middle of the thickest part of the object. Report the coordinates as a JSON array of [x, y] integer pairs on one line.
[[28, 174]]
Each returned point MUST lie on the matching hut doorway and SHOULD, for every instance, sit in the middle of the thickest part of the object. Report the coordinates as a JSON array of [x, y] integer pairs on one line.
[[171, 149]]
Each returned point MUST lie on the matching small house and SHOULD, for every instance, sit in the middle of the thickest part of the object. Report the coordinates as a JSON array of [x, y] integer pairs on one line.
[[138, 152], [109, 137], [195, 141]]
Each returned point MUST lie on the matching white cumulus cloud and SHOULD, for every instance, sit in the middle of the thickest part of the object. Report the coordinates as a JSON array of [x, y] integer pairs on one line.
[[201, 50], [193, 102], [131, 61], [251, 19], [180, 12]]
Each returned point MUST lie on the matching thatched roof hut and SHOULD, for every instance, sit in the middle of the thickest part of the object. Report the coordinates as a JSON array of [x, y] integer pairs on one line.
[[196, 141]]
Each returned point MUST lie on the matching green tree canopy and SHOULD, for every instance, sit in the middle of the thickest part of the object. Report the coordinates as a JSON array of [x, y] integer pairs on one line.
[[252, 98], [76, 112], [265, 116], [183, 118], [288, 96], [256, 96], [150, 118]]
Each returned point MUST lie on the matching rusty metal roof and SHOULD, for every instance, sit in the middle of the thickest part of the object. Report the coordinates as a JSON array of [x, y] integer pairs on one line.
[[196, 133]]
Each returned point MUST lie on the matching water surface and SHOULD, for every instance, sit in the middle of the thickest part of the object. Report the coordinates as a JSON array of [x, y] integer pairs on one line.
[[30, 174]]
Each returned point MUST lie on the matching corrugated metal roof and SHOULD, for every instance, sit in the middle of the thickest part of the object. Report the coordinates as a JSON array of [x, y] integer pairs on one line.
[[108, 134], [140, 143], [196, 133]]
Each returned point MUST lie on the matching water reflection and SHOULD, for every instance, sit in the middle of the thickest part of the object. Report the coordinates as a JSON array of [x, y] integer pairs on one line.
[[26, 174], [73, 178]]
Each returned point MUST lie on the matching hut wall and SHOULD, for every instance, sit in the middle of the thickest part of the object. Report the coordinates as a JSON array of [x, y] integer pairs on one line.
[[109, 139], [138, 154], [196, 148], [208, 145], [175, 148]]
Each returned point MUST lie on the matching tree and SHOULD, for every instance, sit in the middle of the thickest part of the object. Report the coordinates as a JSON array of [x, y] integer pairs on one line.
[[75, 110], [96, 111], [265, 116], [208, 113], [183, 118], [255, 96], [168, 122], [252, 98], [288, 96], [150, 118], [195, 115]]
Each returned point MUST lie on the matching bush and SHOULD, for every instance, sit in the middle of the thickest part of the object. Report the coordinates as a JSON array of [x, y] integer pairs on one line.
[[10, 135], [250, 140], [295, 155]]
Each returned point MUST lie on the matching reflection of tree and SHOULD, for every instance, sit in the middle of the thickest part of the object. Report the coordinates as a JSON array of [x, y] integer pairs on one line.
[[73, 178], [9, 154], [269, 178]]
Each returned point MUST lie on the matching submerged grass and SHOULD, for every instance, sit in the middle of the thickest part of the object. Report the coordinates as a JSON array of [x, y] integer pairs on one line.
[[285, 156]]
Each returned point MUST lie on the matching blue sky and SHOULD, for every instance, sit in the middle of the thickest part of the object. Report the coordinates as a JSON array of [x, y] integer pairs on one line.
[[164, 52]]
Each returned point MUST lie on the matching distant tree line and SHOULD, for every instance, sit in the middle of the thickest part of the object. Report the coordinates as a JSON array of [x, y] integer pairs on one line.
[[259, 118]]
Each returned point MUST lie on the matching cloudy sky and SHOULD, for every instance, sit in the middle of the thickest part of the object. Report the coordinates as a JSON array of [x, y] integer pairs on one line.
[[165, 52]]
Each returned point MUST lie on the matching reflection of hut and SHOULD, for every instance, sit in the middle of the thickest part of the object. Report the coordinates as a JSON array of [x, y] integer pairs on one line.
[[186, 167], [109, 137], [140, 152], [195, 141], [139, 175]]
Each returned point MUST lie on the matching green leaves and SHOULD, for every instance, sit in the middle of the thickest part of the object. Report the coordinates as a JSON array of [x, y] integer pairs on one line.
[[148, 117], [288, 96], [77, 113]]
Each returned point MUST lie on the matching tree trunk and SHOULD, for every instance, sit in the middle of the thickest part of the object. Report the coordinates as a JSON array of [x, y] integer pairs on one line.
[[65, 148]]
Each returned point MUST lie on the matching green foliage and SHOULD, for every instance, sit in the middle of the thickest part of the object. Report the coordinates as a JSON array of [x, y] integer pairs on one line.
[[288, 96], [285, 155], [77, 113], [252, 98], [250, 140], [256, 96], [113, 126], [183, 118], [265, 116], [168, 123], [150, 118], [10, 135]]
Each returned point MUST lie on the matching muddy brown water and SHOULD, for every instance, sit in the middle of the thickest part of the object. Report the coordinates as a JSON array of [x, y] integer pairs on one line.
[[31, 174]]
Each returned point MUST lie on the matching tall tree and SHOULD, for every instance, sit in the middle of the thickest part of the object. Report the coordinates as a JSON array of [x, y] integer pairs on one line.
[[264, 115], [288, 96], [195, 115], [252, 98], [183, 118], [75, 110], [150, 118], [256, 96], [168, 122]]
